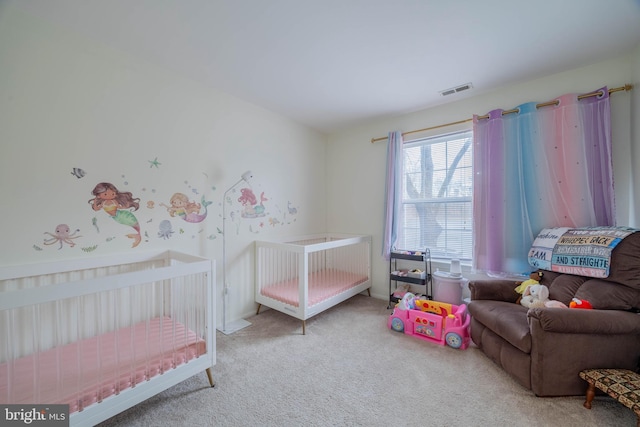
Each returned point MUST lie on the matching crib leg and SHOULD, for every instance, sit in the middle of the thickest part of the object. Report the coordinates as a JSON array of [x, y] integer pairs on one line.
[[258, 311], [304, 327], [208, 371], [369, 291]]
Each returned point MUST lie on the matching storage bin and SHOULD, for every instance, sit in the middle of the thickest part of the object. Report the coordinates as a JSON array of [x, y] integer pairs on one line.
[[447, 287], [417, 274]]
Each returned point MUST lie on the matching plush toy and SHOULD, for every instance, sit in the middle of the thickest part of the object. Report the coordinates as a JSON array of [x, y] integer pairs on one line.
[[535, 296], [407, 302], [555, 304], [580, 303], [534, 279]]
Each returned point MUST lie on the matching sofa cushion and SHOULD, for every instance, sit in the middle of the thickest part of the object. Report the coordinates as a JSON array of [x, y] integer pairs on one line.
[[603, 294], [505, 319], [564, 286], [606, 295], [625, 262]]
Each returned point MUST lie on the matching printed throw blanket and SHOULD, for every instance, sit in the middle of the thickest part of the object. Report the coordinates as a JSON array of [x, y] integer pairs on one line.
[[582, 251]]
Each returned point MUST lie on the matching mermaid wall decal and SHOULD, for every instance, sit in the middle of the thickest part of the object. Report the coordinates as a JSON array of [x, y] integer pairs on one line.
[[187, 209], [118, 206], [251, 208]]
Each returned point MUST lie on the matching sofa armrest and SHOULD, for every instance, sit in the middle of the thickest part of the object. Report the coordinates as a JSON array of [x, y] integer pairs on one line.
[[496, 289], [579, 321]]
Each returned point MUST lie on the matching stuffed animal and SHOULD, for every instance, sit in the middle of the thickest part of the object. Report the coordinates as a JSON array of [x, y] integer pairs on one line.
[[580, 303], [535, 296], [534, 279], [407, 302]]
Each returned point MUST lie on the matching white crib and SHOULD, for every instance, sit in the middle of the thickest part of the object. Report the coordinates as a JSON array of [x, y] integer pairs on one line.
[[103, 334], [305, 276]]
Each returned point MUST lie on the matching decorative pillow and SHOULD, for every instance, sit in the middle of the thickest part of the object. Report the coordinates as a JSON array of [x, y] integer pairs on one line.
[[605, 295]]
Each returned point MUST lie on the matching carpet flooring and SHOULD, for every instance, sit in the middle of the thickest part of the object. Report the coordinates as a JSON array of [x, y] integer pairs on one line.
[[351, 370]]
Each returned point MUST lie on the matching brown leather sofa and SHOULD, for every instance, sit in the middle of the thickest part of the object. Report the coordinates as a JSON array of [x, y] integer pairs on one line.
[[544, 349]]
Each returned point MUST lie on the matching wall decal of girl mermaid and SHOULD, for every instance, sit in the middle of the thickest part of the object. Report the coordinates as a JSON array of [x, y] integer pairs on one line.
[[117, 205], [187, 209], [251, 208]]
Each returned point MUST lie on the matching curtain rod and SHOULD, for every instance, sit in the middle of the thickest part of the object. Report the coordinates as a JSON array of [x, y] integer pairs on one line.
[[626, 87]]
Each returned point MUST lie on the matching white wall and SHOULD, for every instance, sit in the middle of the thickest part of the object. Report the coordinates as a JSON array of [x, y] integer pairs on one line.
[[356, 167], [635, 138], [66, 103]]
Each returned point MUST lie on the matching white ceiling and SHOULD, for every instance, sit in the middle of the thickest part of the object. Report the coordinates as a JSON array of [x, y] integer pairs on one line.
[[332, 63]]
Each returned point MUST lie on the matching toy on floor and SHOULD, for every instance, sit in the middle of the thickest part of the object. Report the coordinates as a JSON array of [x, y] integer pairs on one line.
[[438, 322], [407, 302]]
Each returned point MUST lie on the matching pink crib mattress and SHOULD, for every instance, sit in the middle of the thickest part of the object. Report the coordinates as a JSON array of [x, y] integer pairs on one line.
[[95, 368], [322, 286]]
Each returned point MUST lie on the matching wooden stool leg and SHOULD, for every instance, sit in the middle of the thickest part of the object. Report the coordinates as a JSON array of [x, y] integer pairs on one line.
[[591, 392]]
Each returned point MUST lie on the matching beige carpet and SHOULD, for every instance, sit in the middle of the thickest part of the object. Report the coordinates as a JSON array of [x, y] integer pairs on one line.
[[350, 370]]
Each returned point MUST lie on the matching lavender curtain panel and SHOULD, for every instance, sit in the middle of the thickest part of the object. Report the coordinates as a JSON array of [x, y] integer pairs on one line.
[[393, 190], [540, 167]]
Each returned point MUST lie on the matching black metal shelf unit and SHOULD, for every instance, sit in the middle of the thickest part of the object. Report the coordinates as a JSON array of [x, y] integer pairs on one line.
[[406, 258]]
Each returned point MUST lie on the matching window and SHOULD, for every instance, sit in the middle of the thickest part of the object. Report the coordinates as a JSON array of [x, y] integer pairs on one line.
[[437, 185]]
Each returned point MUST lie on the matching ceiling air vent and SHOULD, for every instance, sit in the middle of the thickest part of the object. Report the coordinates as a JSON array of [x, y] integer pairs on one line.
[[456, 89]]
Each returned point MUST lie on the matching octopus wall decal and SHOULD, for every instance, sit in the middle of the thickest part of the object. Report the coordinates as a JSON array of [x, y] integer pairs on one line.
[[62, 235], [165, 230]]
